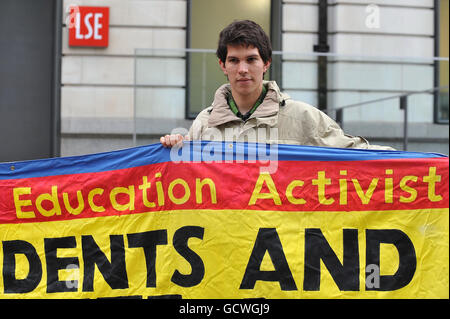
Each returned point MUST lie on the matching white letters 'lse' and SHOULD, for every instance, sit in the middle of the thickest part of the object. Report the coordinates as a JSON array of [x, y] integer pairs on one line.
[[90, 32]]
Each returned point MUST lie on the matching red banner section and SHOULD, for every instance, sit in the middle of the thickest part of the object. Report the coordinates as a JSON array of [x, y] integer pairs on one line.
[[400, 184]]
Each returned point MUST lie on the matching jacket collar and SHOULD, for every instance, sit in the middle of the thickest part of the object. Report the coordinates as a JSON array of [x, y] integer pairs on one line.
[[221, 112]]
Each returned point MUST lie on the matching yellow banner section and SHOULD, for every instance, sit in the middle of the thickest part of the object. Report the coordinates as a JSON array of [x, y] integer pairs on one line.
[[230, 254]]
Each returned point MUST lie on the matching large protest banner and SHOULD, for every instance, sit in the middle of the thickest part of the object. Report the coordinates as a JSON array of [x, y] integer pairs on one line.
[[226, 220]]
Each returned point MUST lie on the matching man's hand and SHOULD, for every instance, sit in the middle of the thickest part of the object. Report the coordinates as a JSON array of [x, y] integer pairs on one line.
[[172, 140]]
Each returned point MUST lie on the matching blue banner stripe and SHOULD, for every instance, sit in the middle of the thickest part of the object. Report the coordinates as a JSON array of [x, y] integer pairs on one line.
[[193, 151]]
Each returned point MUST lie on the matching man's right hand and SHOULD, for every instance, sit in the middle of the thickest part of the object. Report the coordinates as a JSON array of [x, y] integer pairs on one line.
[[172, 140]]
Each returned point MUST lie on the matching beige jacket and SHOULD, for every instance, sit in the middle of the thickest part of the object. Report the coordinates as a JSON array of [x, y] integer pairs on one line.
[[279, 119]]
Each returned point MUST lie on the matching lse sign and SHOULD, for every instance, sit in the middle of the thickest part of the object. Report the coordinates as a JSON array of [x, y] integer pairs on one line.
[[88, 26]]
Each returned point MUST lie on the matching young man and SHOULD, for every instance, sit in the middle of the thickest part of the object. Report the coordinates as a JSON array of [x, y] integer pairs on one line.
[[253, 110]]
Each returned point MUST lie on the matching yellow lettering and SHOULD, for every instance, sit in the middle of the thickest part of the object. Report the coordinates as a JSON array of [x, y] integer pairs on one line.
[[431, 179], [92, 193], [144, 186], [198, 190], [187, 191], [365, 197], [264, 177], [53, 198], [321, 181], [290, 188], [406, 188], [389, 188], [74, 211], [122, 190], [343, 188], [159, 190], [19, 203]]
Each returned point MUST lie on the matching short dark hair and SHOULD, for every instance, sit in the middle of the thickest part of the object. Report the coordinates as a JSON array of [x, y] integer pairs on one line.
[[244, 32]]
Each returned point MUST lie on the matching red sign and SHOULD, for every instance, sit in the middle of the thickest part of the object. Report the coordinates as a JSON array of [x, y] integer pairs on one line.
[[88, 26]]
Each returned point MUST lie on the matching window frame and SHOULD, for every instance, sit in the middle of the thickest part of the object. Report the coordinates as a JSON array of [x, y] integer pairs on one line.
[[436, 66]]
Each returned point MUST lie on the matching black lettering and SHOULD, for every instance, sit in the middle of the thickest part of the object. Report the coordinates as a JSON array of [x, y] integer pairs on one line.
[[113, 272], [407, 257], [54, 263], [180, 240], [148, 241], [10, 283], [268, 240], [345, 275], [121, 297], [165, 297]]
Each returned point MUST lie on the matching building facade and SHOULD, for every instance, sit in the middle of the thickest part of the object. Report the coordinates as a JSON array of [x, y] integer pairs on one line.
[[351, 58]]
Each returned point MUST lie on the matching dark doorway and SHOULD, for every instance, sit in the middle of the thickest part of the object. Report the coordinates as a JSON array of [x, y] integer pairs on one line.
[[29, 79]]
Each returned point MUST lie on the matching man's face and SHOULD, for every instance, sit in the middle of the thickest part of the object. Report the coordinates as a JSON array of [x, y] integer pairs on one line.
[[245, 69]]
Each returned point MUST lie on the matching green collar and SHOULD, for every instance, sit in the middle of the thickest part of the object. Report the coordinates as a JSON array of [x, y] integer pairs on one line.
[[245, 116]]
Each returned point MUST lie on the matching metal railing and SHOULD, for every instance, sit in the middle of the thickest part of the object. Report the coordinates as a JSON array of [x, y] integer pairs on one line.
[[299, 74], [403, 103]]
